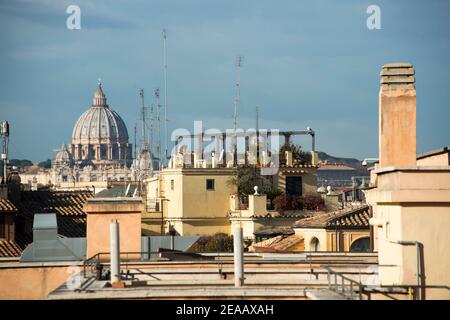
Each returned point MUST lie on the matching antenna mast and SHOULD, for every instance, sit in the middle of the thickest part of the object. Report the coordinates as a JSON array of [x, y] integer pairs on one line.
[[238, 90], [135, 134], [4, 132], [158, 119], [166, 136], [257, 134], [236, 102], [143, 139]]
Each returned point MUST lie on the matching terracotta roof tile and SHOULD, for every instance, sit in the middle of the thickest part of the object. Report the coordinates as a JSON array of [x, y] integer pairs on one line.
[[357, 217], [277, 244], [9, 249], [7, 206], [59, 202]]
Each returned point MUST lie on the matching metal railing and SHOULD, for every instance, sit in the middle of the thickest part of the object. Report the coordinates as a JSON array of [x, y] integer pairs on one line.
[[153, 204], [354, 290], [95, 265], [344, 286]]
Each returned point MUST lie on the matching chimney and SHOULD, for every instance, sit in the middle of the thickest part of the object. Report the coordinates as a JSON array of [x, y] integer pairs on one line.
[[397, 116], [288, 155]]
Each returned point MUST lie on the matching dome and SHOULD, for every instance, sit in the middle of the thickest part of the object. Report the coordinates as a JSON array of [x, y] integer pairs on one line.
[[99, 124], [63, 156]]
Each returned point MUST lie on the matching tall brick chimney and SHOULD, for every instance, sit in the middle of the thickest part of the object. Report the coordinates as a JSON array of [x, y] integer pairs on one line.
[[397, 116]]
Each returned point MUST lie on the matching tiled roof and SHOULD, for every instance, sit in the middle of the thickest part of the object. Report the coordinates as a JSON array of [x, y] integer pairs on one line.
[[286, 214], [275, 231], [277, 244], [71, 227], [68, 226], [9, 249], [357, 217], [7, 206], [59, 202]]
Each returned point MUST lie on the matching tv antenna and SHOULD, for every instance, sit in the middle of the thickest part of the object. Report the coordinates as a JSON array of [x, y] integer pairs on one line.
[[236, 102], [166, 135], [158, 120]]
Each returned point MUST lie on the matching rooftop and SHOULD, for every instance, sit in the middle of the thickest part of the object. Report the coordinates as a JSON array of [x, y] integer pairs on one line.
[[7, 206], [59, 202], [356, 217]]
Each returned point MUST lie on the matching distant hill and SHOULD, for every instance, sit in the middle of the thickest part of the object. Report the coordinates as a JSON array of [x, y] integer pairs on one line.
[[348, 161], [19, 163], [351, 162]]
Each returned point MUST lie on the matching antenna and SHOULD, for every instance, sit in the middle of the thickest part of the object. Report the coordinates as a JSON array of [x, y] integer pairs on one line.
[[257, 133], [143, 140], [166, 136], [135, 134], [4, 131], [237, 92], [158, 119], [236, 102]]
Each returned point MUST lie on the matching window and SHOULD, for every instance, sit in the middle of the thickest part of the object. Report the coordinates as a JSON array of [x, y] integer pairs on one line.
[[209, 184], [172, 184], [294, 185], [361, 245], [315, 244]]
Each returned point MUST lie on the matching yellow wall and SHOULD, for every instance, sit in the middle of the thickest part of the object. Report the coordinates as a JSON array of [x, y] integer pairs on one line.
[[309, 179], [189, 207]]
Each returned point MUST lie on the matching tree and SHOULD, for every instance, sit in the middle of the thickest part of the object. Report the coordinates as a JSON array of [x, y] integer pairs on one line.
[[313, 201], [220, 242], [247, 177], [47, 164], [297, 153]]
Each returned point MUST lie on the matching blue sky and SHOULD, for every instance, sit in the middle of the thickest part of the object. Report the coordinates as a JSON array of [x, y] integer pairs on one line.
[[306, 63]]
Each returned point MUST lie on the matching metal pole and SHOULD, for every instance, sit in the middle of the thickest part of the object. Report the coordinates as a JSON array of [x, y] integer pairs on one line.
[[114, 251], [238, 257], [165, 96], [419, 293]]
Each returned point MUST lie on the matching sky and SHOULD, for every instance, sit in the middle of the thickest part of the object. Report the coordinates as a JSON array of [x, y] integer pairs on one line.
[[306, 63]]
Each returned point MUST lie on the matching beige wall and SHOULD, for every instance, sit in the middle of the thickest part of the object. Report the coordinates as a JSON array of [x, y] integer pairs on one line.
[[309, 234], [434, 160], [413, 205], [33, 280], [100, 213]]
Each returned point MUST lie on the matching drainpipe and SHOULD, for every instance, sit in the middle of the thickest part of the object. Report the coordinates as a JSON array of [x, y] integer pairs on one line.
[[238, 257], [417, 244], [114, 251]]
